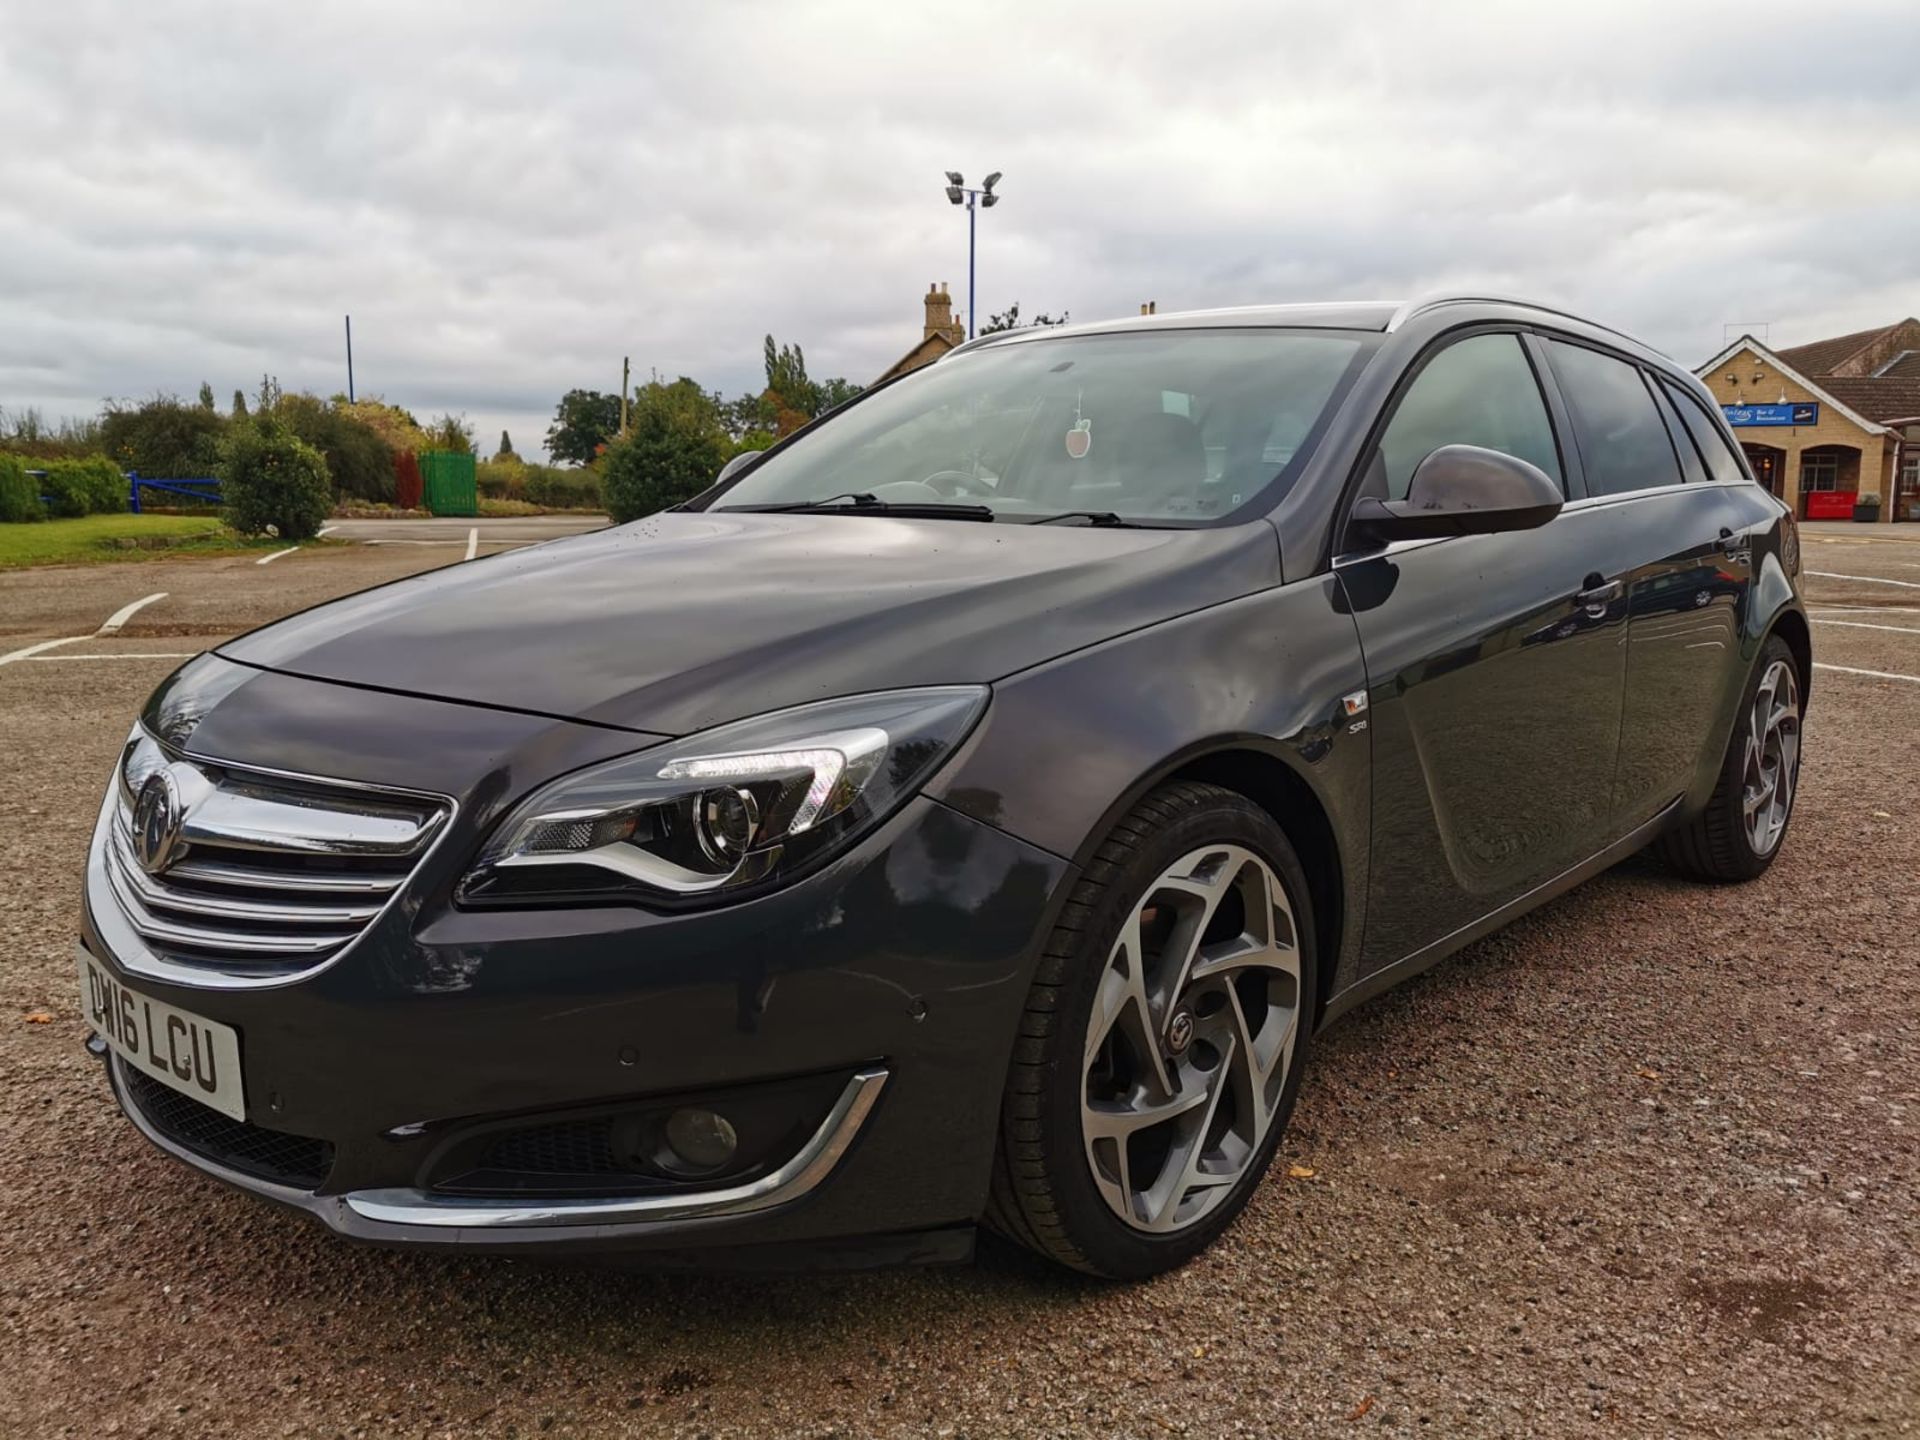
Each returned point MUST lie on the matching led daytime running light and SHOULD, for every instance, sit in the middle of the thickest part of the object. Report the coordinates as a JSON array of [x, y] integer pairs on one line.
[[855, 752]]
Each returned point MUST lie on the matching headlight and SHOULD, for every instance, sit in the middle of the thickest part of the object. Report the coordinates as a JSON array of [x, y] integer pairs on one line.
[[705, 816]]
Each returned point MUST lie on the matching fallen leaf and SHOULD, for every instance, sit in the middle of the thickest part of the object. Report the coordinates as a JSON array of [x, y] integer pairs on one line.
[[1360, 1410], [1648, 1074], [1882, 815], [1199, 1352], [39, 1017], [1300, 1172]]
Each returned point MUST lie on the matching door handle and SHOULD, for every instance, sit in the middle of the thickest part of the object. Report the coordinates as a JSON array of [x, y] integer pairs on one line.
[[1598, 595]]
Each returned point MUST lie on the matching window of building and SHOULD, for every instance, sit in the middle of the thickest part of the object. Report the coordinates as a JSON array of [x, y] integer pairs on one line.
[[1477, 391], [1819, 472], [1623, 442]]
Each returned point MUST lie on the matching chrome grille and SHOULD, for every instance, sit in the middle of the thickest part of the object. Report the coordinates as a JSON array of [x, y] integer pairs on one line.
[[266, 875]]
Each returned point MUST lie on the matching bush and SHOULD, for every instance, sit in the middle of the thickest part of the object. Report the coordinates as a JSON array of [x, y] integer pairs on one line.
[[548, 486], [162, 438], [563, 489], [19, 491], [359, 461], [407, 484], [93, 486], [271, 479]]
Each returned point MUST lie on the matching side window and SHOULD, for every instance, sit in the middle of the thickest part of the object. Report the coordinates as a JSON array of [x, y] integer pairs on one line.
[[1722, 464], [1692, 469], [1623, 441], [1477, 391]]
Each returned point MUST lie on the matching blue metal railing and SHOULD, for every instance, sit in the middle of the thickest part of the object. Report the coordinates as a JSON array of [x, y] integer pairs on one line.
[[206, 492]]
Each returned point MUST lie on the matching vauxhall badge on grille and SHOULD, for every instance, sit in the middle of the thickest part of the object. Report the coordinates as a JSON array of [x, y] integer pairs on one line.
[[157, 817]]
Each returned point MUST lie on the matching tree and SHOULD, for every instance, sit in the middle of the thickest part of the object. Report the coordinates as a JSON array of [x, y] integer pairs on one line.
[[206, 396], [792, 398], [269, 395], [270, 479], [239, 405], [675, 444], [1009, 319], [450, 432], [583, 421], [506, 450]]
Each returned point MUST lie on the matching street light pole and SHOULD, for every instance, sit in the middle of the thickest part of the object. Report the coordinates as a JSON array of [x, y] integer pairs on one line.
[[958, 192]]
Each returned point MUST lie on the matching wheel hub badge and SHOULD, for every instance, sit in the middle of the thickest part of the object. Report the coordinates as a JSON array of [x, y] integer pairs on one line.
[[1179, 1032]]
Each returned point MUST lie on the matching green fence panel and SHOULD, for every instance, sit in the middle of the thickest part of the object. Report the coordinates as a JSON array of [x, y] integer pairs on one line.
[[448, 483]]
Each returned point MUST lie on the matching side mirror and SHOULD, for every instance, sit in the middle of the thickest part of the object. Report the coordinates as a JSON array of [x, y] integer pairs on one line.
[[736, 463], [1463, 490]]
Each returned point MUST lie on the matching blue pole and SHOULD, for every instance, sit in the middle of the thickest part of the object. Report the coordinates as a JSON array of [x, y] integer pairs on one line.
[[971, 304]]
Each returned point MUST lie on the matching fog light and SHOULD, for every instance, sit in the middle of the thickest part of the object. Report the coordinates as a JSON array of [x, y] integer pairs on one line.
[[724, 822], [698, 1141]]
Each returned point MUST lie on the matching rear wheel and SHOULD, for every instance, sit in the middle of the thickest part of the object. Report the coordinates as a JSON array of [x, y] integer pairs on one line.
[[1163, 1039], [1744, 824]]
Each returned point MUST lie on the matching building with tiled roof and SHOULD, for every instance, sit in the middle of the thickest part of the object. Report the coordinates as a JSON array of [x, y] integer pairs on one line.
[[939, 335], [1830, 422]]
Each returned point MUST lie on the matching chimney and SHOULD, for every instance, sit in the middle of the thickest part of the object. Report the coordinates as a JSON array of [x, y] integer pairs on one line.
[[1147, 307], [940, 314]]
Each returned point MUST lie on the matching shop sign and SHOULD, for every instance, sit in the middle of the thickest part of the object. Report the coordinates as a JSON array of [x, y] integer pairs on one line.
[[1808, 414]]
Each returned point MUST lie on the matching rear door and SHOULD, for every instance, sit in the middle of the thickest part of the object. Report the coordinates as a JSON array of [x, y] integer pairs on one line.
[[1663, 514], [1495, 666]]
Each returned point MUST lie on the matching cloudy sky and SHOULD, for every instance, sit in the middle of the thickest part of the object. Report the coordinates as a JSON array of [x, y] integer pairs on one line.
[[508, 198]]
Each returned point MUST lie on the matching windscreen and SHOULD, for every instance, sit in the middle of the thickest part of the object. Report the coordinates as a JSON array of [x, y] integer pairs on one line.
[[1152, 426]]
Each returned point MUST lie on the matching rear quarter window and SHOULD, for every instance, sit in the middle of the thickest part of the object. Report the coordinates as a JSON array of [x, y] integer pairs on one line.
[[1722, 463]]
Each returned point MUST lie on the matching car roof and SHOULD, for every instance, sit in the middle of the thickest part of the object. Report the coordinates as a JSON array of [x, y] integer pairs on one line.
[[1379, 316]]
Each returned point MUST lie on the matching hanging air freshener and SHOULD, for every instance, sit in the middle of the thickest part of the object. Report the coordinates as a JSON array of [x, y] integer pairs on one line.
[[1080, 437]]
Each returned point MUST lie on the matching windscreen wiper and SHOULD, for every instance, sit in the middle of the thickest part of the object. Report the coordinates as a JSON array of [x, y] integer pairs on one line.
[[860, 502], [1092, 517]]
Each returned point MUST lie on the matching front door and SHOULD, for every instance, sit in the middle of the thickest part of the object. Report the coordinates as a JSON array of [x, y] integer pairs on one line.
[[1495, 667]]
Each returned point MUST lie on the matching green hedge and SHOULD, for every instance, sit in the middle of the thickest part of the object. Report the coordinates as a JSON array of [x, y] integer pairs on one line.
[[93, 486], [549, 486], [19, 491]]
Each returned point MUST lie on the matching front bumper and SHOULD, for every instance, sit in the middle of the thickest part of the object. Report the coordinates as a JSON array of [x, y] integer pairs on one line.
[[900, 970]]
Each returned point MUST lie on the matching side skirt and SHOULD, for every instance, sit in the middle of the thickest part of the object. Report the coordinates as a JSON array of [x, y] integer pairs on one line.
[[1365, 989]]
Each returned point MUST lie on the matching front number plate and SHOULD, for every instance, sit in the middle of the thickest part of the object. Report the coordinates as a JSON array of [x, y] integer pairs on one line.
[[195, 1056]]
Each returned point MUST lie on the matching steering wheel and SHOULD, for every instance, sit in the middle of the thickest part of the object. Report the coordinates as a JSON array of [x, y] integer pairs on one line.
[[948, 482]]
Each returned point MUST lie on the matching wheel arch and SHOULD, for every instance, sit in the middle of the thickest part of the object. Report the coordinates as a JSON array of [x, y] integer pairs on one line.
[[1791, 626], [1247, 767]]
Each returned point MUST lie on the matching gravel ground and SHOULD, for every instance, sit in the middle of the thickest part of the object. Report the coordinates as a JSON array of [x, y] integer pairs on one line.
[[1641, 1164]]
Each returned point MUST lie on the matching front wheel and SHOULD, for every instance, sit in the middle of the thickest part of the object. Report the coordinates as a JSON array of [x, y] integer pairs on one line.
[[1741, 830], [1163, 1039]]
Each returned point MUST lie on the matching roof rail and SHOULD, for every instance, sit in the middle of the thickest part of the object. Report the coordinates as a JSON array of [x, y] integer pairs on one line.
[[1410, 308]]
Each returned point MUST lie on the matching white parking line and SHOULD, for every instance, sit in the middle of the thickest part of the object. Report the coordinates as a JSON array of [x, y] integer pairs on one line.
[[30, 651], [269, 559], [1863, 625], [1866, 609], [324, 531], [473, 542], [1867, 579], [125, 655], [1870, 674], [126, 613]]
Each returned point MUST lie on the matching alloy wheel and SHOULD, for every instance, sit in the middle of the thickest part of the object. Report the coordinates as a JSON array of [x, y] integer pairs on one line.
[[1771, 766], [1191, 1038]]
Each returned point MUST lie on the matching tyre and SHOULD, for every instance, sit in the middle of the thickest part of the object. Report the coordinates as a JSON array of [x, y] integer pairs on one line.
[[1163, 1039], [1741, 830]]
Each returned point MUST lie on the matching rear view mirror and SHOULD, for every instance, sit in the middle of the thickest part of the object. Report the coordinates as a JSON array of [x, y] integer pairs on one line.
[[1463, 490]]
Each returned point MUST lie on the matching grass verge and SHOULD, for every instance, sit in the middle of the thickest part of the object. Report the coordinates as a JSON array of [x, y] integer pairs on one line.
[[96, 538]]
